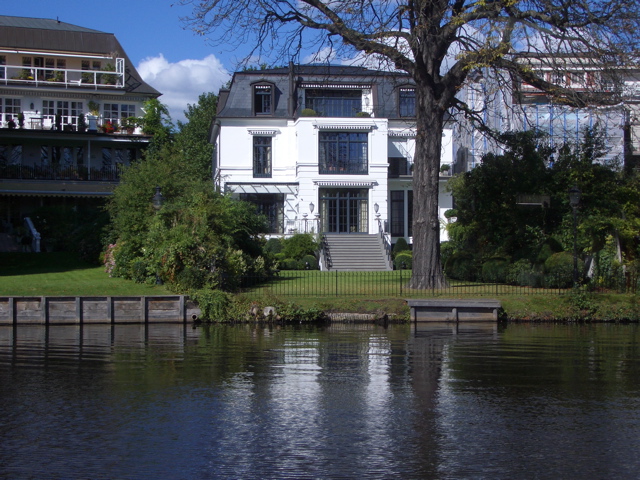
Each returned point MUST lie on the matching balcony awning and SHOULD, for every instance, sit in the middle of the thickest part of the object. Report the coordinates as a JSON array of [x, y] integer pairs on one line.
[[405, 133], [345, 183], [284, 188], [264, 132], [352, 126]]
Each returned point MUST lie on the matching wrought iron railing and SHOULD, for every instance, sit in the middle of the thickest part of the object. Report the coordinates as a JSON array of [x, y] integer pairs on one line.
[[397, 283]]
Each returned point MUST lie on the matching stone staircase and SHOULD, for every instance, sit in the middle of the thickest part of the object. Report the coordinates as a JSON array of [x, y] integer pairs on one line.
[[355, 252]]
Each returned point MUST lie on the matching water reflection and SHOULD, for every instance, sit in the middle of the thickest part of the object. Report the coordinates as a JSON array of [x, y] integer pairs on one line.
[[169, 401]]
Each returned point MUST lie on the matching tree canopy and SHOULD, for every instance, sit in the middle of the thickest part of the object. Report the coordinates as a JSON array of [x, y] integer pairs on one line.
[[439, 43], [491, 221], [197, 238]]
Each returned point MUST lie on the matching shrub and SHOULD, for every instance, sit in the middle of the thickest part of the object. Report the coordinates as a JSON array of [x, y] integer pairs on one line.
[[400, 246], [494, 270], [548, 248], [558, 270], [461, 266], [299, 245], [289, 264], [273, 245], [403, 257], [308, 112], [446, 250], [214, 304], [311, 260], [523, 273]]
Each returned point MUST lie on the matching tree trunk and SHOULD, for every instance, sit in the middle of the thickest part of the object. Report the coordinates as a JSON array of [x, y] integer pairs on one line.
[[427, 267]]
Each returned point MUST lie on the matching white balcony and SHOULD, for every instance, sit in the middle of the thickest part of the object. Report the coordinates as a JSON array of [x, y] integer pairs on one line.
[[65, 77]]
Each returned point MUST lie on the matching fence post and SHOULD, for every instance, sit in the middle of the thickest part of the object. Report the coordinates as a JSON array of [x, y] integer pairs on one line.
[[401, 281], [336, 283]]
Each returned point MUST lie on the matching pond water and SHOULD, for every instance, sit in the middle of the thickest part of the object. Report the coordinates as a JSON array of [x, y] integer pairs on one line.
[[340, 401]]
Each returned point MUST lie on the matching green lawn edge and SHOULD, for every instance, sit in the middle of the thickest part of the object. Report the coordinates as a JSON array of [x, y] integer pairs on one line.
[[61, 274]]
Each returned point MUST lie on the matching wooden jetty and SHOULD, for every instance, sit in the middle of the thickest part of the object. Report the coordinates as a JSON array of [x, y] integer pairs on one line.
[[454, 310]]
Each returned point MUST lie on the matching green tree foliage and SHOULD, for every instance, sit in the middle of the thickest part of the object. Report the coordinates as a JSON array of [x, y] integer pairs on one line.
[[490, 223], [198, 238], [156, 121], [192, 139]]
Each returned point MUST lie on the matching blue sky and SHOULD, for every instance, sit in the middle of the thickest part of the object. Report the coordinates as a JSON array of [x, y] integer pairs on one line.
[[170, 58]]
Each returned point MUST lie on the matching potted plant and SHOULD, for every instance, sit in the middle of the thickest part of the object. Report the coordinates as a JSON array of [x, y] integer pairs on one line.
[[130, 123], [308, 112], [82, 123], [444, 169], [108, 127], [21, 120], [11, 124], [363, 114], [94, 111]]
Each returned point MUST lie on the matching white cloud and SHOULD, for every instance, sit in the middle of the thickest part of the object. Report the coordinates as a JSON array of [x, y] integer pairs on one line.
[[183, 82]]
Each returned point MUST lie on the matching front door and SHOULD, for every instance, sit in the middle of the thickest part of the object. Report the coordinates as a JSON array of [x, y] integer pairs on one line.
[[344, 210]]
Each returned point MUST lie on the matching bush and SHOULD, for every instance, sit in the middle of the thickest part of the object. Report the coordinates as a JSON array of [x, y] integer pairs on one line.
[[446, 250], [523, 273], [558, 270], [548, 248], [299, 245], [214, 304], [461, 266], [494, 270], [289, 264], [400, 246], [403, 257], [311, 260], [273, 245]]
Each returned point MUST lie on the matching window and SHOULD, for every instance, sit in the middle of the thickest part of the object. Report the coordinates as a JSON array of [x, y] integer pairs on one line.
[[343, 153], [263, 99], [111, 112], [9, 109], [262, 157], [271, 205], [114, 112], [407, 102], [334, 102], [398, 166], [397, 213]]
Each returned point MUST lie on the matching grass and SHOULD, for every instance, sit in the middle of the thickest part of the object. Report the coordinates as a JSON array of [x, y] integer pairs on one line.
[[62, 274]]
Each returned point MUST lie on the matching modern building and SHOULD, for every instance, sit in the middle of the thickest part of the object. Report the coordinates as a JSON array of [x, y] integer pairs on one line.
[[68, 98], [524, 107], [322, 149]]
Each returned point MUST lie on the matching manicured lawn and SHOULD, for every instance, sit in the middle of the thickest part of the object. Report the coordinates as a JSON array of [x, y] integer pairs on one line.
[[379, 284], [61, 274]]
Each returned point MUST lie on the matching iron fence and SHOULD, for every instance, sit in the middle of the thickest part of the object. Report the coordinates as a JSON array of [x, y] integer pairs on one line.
[[397, 284]]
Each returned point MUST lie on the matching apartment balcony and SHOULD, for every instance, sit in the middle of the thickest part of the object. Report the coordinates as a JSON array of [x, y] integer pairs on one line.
[[107, 173], [27, 76], [36, 122]]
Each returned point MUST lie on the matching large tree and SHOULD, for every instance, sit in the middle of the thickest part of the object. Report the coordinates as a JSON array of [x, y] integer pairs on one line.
[[439, 43]]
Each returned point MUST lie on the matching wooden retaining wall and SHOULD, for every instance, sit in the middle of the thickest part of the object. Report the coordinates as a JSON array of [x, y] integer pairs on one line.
[[93, 310]]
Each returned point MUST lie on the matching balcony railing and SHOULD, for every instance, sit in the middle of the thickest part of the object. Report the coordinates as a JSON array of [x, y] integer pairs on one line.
[[67, 77], [107, 173], [358, 167], [68, 123]]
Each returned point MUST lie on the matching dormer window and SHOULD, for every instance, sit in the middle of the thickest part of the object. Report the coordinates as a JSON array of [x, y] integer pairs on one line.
[[407, 102], [263, 99]]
